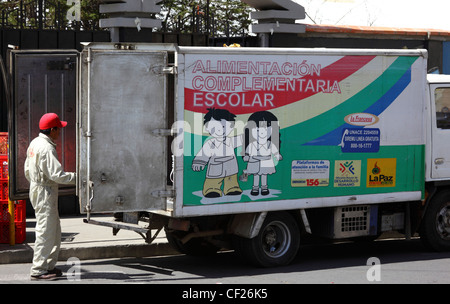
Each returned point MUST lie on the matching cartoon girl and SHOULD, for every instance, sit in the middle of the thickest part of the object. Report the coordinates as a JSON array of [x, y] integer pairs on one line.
[[261, 148]]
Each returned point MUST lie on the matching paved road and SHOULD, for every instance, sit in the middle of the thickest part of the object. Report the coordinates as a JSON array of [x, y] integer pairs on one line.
[[393, 261]]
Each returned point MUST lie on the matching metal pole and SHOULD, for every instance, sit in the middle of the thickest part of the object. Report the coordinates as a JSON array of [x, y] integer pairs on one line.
[[12, 227], [21, 15], [41, 14], [88, 138], [264, 40], [114, 33]]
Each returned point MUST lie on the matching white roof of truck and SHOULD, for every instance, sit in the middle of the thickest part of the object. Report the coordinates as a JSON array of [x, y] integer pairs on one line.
[[438, 78]]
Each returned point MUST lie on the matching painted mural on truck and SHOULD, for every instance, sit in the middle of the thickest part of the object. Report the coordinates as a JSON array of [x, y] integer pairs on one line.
[[264, 128]]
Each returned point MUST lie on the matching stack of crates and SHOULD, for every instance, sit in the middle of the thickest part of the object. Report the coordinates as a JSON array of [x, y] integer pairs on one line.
[[19, 206]]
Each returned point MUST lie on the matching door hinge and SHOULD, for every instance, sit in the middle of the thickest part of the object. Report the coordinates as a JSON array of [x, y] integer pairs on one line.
[[163, 132], [169, 70], [163, 70], [125, 46]]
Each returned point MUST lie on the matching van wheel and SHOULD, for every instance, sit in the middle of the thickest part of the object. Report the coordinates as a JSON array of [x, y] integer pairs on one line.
[[435, 229], [276, 244]]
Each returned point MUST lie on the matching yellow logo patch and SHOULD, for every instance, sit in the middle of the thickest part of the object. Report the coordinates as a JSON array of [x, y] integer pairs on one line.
[[381, 172]]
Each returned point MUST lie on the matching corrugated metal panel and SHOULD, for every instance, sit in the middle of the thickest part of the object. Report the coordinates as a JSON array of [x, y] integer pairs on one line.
[[43, 82], [123, 100]]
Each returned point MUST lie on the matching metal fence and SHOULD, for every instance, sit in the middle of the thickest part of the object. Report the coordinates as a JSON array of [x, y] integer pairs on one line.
[[206, 19], [47, 14]]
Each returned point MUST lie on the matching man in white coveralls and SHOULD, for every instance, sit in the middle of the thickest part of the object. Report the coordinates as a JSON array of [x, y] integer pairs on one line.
[[44, 172]]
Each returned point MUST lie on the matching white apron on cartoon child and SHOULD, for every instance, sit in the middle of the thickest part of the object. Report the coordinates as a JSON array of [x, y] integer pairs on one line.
[[261, 147]]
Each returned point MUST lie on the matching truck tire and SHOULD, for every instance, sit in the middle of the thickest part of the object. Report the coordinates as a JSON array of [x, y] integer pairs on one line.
[[435, 229], [276, 244]]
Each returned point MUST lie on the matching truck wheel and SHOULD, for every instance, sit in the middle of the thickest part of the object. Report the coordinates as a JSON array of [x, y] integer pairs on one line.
[[435, 230], [276, 244]]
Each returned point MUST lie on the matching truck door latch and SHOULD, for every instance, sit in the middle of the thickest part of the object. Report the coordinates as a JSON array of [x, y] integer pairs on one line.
[[438, 161]]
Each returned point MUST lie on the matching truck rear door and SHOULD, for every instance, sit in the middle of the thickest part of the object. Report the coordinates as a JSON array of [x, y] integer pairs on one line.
[[122, 113], [41, 81]]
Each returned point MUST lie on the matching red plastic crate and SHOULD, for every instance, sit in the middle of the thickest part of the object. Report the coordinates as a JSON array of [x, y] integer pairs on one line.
[[3, 168], [19, 211], [19, 206], [4, 143], [4, 214], [4, 191], [20, 234]]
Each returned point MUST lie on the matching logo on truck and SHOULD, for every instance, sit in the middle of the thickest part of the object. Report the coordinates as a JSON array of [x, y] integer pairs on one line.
[[381, 172], [361, 119]]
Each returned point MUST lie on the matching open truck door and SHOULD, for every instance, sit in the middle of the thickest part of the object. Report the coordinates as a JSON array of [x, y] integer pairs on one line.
[[41, 81], [122, 123]]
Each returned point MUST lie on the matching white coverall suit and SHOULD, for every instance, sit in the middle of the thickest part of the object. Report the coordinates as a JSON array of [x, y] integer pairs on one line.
[[44, 172]]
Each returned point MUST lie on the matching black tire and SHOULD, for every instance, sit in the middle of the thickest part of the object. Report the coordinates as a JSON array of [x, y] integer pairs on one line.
[[435, 228], [276, 244]]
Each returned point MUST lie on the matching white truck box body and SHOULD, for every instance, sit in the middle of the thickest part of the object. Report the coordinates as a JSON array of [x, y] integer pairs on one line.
[[347, 127]]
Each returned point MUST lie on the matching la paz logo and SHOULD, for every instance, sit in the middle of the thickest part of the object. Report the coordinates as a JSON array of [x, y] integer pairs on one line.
[[381, 172], [361, 119]]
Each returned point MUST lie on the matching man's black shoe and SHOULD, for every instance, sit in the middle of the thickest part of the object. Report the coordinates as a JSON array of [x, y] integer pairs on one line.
[[44, 277]]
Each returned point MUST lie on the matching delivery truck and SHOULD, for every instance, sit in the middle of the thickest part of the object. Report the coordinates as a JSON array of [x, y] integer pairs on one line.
[[251, 149]]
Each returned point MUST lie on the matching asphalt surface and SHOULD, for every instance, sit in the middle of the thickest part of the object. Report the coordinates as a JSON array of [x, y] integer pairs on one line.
[[88, 241]]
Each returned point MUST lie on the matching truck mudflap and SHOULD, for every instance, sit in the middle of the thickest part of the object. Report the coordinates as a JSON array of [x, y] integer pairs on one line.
[[247, 225]]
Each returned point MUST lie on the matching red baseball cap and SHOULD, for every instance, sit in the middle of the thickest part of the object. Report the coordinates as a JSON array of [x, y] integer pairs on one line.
[[51, 120]]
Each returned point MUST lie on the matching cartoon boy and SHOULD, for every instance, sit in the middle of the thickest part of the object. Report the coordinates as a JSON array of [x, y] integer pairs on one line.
[[218, 153]]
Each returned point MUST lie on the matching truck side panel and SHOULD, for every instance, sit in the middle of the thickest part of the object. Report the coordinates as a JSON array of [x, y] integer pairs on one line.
[[303, 130]]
